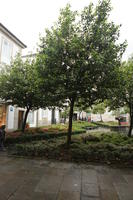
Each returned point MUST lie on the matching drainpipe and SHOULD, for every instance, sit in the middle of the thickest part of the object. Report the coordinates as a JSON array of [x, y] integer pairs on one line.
[[37, 118]]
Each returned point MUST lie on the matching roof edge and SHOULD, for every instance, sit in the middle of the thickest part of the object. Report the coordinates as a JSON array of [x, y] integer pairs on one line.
[[11, 36]]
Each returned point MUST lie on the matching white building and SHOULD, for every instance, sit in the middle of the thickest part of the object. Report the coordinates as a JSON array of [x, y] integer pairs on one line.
[[106, 117], [42, 117], [12, 116]]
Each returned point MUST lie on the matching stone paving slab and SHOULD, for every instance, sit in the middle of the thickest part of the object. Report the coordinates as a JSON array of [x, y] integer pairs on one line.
[[69, 195], [125, 191], [38, 179], [71, 184], [109, 194]]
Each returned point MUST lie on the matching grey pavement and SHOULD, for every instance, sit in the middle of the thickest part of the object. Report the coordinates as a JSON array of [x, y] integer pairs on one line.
[[40, 179]]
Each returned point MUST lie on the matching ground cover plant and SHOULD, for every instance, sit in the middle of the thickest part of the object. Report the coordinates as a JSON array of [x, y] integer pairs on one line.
[[54, 128], [110, 123], [47, 132], [107, 124], [97, 146]]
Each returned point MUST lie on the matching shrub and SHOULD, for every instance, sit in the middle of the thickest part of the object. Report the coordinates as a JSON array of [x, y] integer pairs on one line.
[[90, 138], [36, 137]]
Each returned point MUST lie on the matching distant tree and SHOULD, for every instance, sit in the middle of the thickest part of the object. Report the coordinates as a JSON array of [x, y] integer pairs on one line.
[[19, 84], [78, 56], [65, 113], [122, 94], [99, 109], [79, 107]]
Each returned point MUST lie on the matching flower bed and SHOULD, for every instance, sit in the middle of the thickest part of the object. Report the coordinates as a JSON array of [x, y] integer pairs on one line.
[[107, 148]]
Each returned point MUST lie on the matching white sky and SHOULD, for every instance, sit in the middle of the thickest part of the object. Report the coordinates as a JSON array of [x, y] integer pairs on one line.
[[27, 18]]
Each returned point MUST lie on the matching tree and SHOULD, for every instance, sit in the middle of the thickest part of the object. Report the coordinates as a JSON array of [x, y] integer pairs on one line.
[[99, 109], [19, 84], [78, 55], [65, 114], [122, 94]]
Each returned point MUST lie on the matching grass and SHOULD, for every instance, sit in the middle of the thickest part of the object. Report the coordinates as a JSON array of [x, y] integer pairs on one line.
[[111, 123], [77, 126], [54, 128]]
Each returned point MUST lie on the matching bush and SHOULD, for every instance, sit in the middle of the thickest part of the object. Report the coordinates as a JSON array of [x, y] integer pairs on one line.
[[90, 138], [110, 147], [116, 138], [36, 137], [79, 151]]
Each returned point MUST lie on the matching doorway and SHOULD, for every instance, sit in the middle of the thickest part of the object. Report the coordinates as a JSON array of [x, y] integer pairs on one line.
[[20, 119], [2, 114]]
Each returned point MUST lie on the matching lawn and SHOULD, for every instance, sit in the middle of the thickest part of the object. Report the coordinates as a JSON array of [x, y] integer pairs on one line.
[[77, 126], [111, 123], [54, 128]]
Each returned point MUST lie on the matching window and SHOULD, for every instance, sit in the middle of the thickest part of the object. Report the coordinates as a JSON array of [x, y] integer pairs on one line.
[[44, 113], [15, 50], [6, 51]]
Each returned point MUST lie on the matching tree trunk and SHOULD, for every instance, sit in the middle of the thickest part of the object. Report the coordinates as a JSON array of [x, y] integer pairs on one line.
[[25, 119], [64, 120], [119, 122], [70, 123], [101, 117], [131, 122], [79, 115]]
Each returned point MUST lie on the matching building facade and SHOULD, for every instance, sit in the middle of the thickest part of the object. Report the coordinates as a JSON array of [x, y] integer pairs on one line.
[[12, 116], [10, 45]]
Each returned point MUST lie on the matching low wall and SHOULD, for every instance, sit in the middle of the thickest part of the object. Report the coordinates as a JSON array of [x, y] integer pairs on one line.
[[123, 129]]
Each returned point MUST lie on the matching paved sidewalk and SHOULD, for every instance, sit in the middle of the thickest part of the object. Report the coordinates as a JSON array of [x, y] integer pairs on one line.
[[27, 179]]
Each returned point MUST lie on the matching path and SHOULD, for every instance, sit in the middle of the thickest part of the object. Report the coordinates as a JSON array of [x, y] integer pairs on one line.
[[32, 179]]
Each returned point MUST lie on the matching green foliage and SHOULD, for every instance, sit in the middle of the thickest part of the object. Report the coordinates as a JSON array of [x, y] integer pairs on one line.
[[64, 113], [122, 94], [78, 56], [19, 84], [105, 149], [77, 125], [106, 124], [38, 136], [90, 138], [99, 108]]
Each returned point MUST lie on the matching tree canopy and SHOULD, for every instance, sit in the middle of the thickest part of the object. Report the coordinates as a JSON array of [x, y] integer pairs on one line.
[[19, 84], [122, 94], [99, 109], [78, 56]]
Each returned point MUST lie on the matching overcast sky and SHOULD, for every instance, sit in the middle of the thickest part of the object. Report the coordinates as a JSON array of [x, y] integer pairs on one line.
[[27, 18]]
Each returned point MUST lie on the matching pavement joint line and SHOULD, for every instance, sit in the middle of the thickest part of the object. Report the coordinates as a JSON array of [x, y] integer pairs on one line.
[[100, 193], [60, 187], [12, 193], [81, 184]]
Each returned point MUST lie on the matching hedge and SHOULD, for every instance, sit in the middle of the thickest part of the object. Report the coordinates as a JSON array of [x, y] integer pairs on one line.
[[107, 153], [40, 136]]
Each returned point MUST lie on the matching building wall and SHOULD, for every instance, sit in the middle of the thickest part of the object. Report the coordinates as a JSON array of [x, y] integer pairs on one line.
[[10, 119], [8, 50], [107, 116], [42, 117], [5, 41]]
